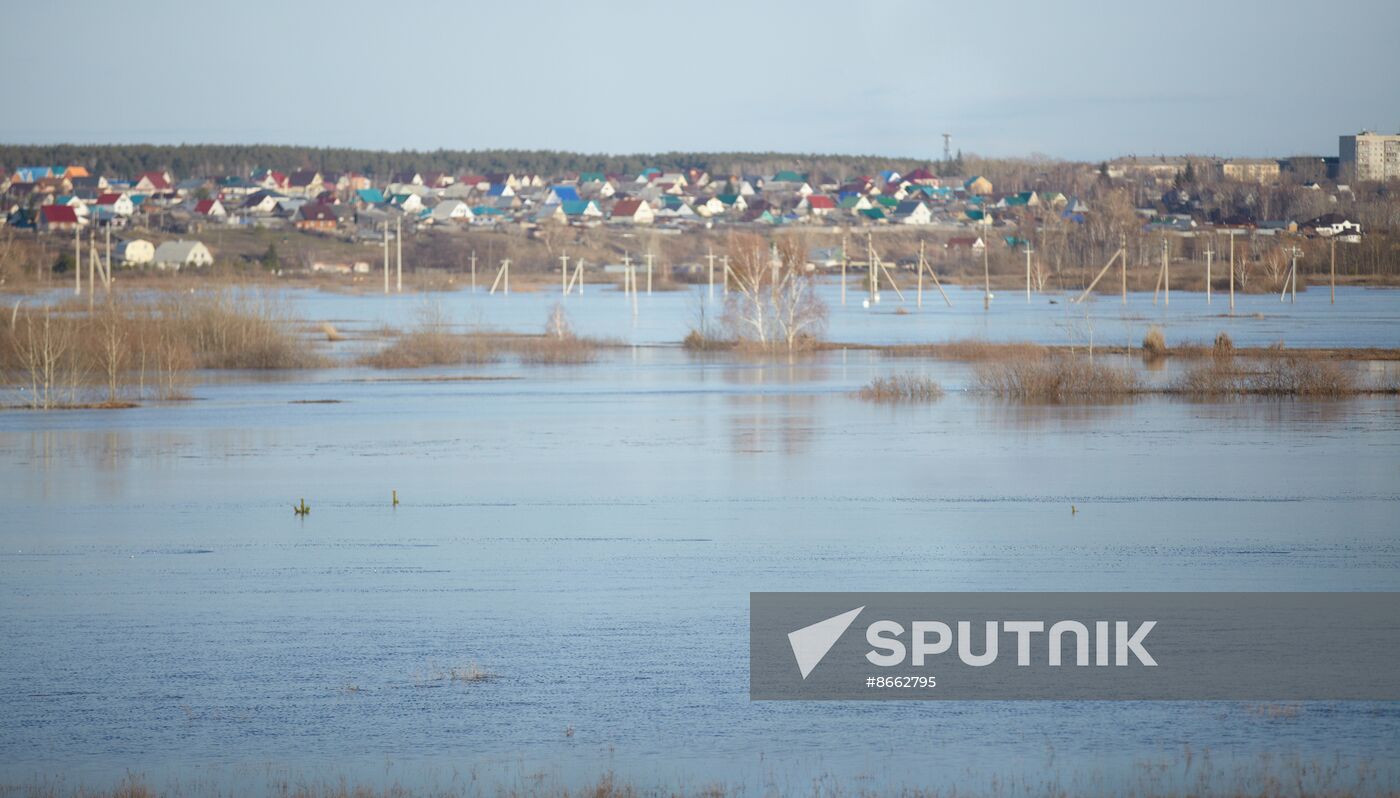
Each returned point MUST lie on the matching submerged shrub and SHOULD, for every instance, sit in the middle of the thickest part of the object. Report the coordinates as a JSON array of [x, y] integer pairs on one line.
[[1154, 344], [902, 388], [1056, 379]]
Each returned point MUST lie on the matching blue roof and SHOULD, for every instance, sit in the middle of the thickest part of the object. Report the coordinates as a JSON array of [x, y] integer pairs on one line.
[[497, 190], [371, 195], [566, 193], [575, 207]]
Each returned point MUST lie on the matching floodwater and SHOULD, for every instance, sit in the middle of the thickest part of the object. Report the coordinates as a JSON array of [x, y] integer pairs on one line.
[[589, 535]]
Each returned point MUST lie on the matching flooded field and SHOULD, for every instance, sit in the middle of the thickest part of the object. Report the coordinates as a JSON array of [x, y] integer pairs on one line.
[[563, 588]]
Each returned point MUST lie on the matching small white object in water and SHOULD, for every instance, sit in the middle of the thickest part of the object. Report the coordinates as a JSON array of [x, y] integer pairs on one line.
[[865, 303]]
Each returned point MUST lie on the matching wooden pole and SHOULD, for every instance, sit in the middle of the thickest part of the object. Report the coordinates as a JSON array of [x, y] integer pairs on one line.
[[1166, 272], [843, 270], [77, 261], [710, 256], [1102, 272], [398, 244], [1232, 271], [386, 256], [92, 270], [626, 273], [1123, 267], [1334, 270], [473, 271], [725, 262], [986, 269], [648, 274], [1028, 272], [919, 302], [1210, 250], [107, 275], [564, 274]]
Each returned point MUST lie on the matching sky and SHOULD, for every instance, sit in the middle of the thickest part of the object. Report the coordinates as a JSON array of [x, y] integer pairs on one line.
[[1073, 79]]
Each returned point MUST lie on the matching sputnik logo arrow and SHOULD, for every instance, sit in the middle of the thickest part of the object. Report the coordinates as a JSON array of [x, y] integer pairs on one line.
[[810, 643]]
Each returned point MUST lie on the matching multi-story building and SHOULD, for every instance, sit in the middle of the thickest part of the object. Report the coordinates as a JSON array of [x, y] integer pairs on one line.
[[1370, 156], [1252, 170]]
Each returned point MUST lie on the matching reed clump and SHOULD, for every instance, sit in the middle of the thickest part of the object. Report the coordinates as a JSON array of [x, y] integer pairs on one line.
[[560, 345], [1278, 374], [1154, 344], [433, 342], [123, 348], [902, 388], [1059, 378], [971, 350]]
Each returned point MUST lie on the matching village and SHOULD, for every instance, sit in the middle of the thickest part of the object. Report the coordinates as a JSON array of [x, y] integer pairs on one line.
[[1072, 214]]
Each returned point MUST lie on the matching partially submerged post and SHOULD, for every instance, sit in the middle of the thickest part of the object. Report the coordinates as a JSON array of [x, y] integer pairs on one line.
[[564, 274], [386, 256], [502, 278], [1232, 271], [473, 271], [648, 274], [1116, 255], [1029, 251], [1334, 270], [710, 256], [77, 261], [1210, 251], [843, 270], [398, 244]]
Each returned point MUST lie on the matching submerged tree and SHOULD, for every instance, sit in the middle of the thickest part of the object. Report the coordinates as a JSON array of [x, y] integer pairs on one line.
[[772, 301]]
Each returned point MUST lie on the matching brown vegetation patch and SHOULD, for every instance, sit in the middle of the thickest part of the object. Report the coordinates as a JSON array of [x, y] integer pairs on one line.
[[1064, 378], [902, 388]]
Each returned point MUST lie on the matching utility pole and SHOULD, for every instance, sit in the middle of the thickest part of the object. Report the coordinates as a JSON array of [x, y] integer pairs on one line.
[[725, 262], [986, 269], [1166, 272], [77, 261], [919, 301], [843, 270], [398, 243], [626, 273], [1028, 271], [1210, 251], [1232, 271], [1291, 283], [473, 271], [710, 256], [648, 274], [564, 274], [386, 256], [1334, 270], [1123, 267]]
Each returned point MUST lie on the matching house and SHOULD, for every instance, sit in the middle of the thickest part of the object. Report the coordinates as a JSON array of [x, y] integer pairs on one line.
[[262, 201], [633, 210], [56, 218], [978, 185], [407, 178], [135, 252], [1335, 225], [210, 208], [855, 203], [315, 216], [308, 182], [153, 183], [177, 254], [408, 203], [969, 244], [817, 204], [562, 194], [873, 214], [913, 212], [581, 210], [921, 177], [451, 211], [369, 197]]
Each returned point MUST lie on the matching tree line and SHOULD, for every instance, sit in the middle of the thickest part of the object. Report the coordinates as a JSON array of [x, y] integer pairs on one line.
[[209, 160]]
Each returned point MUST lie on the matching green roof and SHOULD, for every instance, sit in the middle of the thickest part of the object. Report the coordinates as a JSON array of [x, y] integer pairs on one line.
[[873, 213], [789, 176], [888, 202]]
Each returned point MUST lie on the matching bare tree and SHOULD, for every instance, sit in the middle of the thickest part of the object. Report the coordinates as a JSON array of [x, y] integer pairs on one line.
[[772, 301]]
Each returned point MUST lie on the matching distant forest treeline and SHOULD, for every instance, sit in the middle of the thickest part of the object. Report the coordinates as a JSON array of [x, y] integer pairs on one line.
[[207, 160]]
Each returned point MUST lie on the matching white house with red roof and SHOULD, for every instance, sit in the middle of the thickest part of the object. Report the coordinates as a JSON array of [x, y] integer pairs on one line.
[[154, 182], [210, 208], [633, 210]]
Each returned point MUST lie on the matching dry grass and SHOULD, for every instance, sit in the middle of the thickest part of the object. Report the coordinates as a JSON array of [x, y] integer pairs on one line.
[[125, 348], [902, 388], [971, 350], [432, 342], [1279, 375], [1063, 378], [1154, 344]]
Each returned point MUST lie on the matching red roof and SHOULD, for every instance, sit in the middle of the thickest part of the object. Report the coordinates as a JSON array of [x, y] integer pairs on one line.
[[157, 180], [627, 207], [108, 199], [920, 174], [962, 242], [59, 214], [203, 207], [821, 201]]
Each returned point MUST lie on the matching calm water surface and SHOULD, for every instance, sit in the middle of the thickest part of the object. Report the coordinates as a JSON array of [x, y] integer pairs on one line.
[[589, 536]]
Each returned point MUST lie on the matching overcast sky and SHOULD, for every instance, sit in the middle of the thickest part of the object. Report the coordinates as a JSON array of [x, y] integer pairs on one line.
[[1078, 79]]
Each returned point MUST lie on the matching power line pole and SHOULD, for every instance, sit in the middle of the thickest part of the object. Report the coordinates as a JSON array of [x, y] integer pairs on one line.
[[1028, 271], [1333, 242], [386, 256], [398, 243], [1232, 271], [473, 271], [1210, 251], [563, 274]]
